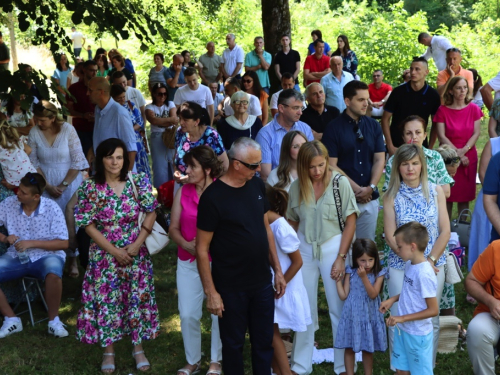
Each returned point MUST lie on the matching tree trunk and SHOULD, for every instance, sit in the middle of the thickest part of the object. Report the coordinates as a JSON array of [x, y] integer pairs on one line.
[[275, 23], [13, 50]]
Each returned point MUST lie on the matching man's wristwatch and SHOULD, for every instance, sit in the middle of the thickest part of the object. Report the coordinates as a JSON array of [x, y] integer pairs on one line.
[[374, 187], [434, 260], [343, 256], [65, 183]]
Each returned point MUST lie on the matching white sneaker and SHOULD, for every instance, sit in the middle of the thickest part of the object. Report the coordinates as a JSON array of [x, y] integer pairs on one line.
[[10, 326], [57, 329]]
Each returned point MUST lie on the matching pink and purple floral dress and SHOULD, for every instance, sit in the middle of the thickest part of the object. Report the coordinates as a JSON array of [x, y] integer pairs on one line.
[[117, 300]]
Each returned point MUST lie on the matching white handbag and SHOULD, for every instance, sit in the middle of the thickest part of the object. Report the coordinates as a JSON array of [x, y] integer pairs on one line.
[[453, 273], [157, 238]]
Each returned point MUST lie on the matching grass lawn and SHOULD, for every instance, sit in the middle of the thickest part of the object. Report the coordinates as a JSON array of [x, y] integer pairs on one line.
[[34, 352]]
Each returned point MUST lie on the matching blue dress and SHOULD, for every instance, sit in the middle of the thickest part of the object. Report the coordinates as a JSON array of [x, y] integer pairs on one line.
[[141, 158], [361, 326]]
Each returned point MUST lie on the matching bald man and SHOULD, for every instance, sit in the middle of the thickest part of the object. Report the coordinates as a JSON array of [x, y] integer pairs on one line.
[[334, 82], [209, 65], [111, 119], [175, 75]]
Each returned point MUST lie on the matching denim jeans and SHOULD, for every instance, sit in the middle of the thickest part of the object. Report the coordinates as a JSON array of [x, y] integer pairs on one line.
[[77, 51], [12, 269], [162, 158], [253, 309]]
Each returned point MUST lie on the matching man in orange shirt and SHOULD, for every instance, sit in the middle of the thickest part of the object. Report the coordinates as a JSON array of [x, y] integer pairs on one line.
[[453, 68], [483, 284]]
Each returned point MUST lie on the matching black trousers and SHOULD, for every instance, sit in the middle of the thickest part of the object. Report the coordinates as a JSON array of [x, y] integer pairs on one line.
[[253, 310]]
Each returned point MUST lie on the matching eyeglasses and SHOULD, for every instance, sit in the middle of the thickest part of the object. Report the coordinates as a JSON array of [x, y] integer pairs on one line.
[[247, 80], [38, 107], [359, 135], [161, 94], [295, 107], [33, 181], [238, 102], [252, 167], [454, 160]]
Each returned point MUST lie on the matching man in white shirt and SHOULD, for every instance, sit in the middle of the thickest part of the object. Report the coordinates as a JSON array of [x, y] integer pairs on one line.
[[37, 235], [131, 93], [493, 85], [436, 48], [78, 41], [194, 92], [232, 58], [230, 87]]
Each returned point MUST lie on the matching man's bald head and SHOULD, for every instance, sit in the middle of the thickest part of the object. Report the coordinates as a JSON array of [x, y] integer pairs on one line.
[[177, 59], [100, 83], [336, 65]]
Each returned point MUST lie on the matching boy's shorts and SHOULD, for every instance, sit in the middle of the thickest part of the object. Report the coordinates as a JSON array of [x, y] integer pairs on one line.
[[412, 353]]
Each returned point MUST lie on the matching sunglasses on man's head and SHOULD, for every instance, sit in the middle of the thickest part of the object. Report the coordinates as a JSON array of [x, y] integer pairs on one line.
[[453, 160], [33, 181], [359, 135], [252, 167]]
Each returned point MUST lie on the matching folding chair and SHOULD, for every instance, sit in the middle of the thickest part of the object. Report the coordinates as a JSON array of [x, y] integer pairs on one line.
[[28, 283]]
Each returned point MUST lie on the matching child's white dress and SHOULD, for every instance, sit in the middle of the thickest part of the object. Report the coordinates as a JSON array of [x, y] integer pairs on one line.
[[292, 311], [15, 163]]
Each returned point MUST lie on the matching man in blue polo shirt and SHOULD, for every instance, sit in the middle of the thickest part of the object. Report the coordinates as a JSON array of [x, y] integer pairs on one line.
[[290, 104], [259, 61], [356, 148], [174, 76]]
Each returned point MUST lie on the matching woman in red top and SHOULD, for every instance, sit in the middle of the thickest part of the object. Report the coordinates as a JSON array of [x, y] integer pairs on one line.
[[458, 125], [203, 167]]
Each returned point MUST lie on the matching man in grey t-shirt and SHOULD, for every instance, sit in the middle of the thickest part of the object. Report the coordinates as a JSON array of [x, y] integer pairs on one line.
[[209, 65]]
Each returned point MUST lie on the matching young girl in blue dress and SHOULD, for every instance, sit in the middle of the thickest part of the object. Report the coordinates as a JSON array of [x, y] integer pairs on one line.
[[361, 326], [291, 311]]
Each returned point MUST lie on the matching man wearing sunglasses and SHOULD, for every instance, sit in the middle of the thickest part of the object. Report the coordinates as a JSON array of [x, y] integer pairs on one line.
[[233, 226], [356, 148], [36, 227]]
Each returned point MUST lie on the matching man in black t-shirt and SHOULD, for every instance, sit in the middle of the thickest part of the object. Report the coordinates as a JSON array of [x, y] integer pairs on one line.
[[234, 229], [415, 97], [4, 54], [287, 61]]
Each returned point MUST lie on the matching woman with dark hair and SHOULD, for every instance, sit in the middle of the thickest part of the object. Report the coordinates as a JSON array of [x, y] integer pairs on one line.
[[102, 65], [286, 172], [348, 57], [478, 84], [118, 294], [458, 124], [119, 66], [251, 85], [317, 34], [187, 59], [203, 167], [62, 71], [100, 51], [161, 114], [141, 158], [56, 153], [240, 124], [19, 118], [193, 132], [157, 73], [324, 244]]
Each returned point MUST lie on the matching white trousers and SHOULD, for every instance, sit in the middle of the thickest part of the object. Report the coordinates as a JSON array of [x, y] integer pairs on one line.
[[191, 296], [366, 223], [395, 284], [482, 337], [303, 343]]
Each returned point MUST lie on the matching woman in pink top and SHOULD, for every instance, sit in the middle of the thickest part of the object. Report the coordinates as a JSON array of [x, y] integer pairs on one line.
[[458, 125], [203, 167]]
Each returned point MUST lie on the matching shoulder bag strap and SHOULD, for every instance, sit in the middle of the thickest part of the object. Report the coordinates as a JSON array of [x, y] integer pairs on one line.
[[338, 201], [136, 194]]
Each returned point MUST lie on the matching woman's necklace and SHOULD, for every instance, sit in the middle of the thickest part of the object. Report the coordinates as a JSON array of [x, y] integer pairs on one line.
[[116, 185]]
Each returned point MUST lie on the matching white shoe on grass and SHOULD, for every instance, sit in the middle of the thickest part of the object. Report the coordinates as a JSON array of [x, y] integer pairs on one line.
[[10, 326], [56, 328]]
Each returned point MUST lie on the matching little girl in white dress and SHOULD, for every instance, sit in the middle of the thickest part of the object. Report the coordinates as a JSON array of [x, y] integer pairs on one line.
[[13, 155], [292, 311]]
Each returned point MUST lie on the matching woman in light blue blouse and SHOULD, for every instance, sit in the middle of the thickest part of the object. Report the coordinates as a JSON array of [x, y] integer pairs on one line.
[[62, 71], [411, 197]]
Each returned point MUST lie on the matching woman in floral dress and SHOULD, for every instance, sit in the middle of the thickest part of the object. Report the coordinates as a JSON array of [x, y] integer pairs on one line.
[[118, 296]]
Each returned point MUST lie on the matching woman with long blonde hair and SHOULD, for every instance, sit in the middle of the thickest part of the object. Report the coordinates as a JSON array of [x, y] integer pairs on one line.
[[325, 230], [411, 197]]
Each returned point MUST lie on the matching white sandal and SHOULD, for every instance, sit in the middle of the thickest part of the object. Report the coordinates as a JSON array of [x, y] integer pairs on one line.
[[187, 371], [216, 372]]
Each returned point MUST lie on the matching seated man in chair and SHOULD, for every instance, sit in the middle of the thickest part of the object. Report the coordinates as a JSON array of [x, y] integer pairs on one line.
[[36, 226]]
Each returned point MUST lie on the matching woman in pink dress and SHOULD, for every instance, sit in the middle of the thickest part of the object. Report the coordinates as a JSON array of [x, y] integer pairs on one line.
[[458, 125]]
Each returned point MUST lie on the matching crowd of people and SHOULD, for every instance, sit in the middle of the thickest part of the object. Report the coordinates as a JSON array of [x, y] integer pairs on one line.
[[262, 206]]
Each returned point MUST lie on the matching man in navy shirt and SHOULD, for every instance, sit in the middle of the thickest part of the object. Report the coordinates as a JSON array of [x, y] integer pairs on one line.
[[491, 190], [356, 148]]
